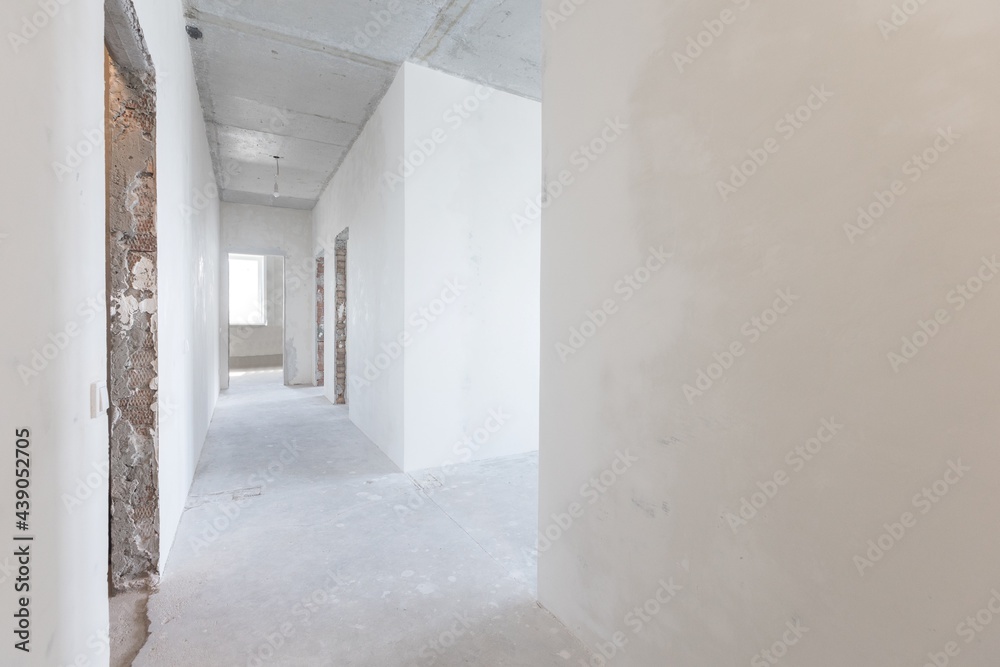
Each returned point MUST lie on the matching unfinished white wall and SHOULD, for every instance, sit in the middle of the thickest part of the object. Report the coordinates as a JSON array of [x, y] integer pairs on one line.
[[255, 346], [261, 230], [472, 276], [359, 197], [52, 247], [189, 268], [675, 513], [55, 323], [443, 298]]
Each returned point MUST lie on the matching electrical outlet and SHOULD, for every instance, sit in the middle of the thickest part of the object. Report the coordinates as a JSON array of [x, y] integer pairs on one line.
[[99, 400]]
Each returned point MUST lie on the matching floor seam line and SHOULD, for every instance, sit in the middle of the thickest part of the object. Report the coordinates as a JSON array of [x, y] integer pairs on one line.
[[474, 540]]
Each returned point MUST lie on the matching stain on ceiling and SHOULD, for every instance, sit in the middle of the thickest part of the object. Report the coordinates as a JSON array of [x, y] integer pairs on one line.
[[300, 78]]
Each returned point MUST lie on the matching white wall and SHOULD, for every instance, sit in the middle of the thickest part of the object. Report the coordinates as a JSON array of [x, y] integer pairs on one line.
[[52, 248], [268, 341], [188, 261], [358, 197], [425, 376], [262, 230], [471, 370], [667, 516]]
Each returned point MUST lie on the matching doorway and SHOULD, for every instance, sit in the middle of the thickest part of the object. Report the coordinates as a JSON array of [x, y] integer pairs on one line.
[[256, 313], [340, 303], [132, 289], [320, 320]]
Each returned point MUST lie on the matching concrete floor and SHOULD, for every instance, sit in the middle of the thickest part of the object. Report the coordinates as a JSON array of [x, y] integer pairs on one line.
[[304, 545], [129, 626]]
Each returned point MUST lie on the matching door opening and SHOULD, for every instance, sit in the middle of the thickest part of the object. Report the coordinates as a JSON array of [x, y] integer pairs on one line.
[[256, 312], [320, 323], [340, 303], [131, 289]]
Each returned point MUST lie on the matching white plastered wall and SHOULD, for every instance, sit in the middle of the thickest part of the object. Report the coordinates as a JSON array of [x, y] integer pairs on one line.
[[472, 272], [674, 514], [442, 291], [52, 261], [52, 248], [358, 198], [188, 236]]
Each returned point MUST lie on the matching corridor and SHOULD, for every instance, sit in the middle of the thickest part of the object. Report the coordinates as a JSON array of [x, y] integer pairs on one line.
[[302, 544]]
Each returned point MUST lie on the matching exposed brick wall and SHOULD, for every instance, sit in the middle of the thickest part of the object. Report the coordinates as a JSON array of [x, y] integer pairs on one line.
[[340, 336], [320, 317], [132, 340]]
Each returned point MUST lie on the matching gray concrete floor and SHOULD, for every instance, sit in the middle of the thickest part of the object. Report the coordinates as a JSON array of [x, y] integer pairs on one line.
[[304, 545], [129, 621]]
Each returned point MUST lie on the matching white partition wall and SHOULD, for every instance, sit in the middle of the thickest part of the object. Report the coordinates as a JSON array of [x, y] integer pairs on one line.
[[53, 260], [358, 198], [472, 271], [781, 444], [446, 369]]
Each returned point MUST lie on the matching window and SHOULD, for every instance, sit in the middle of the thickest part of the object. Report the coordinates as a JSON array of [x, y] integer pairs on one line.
[[247, 290]]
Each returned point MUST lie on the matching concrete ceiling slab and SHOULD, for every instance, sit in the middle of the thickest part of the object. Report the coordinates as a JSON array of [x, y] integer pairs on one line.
[[246, 156], [288, 77], [250, 147], [249, 114], [244, 197], [378, 29], [497, 42], [300, 78]]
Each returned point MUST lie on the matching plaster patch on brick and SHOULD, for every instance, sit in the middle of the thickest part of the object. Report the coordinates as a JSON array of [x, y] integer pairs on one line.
[[144, 275]]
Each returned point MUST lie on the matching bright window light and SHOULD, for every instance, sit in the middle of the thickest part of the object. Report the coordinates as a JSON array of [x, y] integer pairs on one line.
[[247, 288]]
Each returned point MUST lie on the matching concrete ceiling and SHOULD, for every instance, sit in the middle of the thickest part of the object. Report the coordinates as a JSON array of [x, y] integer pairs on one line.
[[300, 78]]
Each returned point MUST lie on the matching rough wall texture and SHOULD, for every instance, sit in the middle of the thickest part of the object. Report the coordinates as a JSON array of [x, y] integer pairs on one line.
[[340, 339], [132, 296], [320, 315]]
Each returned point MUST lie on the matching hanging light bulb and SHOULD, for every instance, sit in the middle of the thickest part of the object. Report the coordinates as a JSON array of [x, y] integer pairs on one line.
[[277, 173]]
